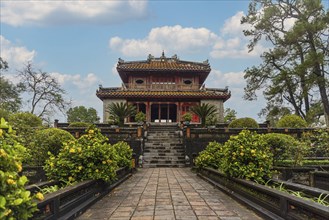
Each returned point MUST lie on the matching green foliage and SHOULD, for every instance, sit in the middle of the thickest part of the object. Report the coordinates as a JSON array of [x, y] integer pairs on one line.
[[304, 163], [211, 156], [4, 114], [79, 125], [119, 111], [212, 120], [23, 121], [247, 156], [187, 117], [318, 141], [123, 153], [294, 71], [15, 201], [89, 157], [204, 110], [291, 121], [284, 147], [82, 114], [244, 123], [9, 96], [140, 117], [47, 140], [229, 115]]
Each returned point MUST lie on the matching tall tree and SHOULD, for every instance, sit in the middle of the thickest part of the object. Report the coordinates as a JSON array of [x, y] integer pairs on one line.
[[295, 69], [82, 114], [46, 94], [10, 100]]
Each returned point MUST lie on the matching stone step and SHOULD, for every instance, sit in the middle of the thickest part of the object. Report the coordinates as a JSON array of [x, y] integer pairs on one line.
[[164, 151], [163, 144], [163, 165]]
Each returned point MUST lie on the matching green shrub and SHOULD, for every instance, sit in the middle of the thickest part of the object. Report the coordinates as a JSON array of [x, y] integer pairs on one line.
[[140, 117], [47, 140], [284, 147], [15, 201], [210, 157], [89, 157], [318, 141], [123, 153], [187, 117], [24, 120], [244, 123], [291, 121], [247, 156], [79, 124]]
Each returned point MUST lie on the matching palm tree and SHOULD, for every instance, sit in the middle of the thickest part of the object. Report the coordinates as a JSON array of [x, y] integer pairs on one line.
[[120, 110], [203, 111]]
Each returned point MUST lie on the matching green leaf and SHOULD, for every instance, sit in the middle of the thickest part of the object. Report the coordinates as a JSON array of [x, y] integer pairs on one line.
[[22, 180], [2, 202], [25, 195], [18, 201]]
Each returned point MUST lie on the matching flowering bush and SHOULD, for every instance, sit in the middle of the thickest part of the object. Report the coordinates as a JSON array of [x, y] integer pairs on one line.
[[318, 141], [247, 156], [210, 157], [15, 201], [89, 157], [123, 154]]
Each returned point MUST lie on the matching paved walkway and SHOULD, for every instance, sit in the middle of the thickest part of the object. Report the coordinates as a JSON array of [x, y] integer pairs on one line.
[[167, 193]]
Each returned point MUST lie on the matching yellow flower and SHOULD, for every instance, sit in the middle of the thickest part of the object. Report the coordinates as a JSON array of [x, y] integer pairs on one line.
[[19, 167], [253, 151], [72, 150], [91, 131], [97, 170], [39, 196], [71, 179], [103, 162], [11, 181], [241, 153], [1, 132], [8, 212], [79, 149], [252, 174], [241, 147], [3, 153], [80, 167]]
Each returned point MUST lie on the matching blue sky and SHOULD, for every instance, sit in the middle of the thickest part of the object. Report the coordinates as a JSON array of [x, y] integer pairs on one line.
[[79, 42]]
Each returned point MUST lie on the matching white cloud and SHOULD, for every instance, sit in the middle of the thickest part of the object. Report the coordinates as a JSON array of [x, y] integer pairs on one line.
[[81, 82], [233, 26], [70, 12], [219, 79], [172, 39], [15, 55]]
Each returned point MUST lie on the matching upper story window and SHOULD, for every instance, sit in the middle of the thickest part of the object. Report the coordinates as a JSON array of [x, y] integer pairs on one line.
[[163, 80], [187, 81], [139, 81]]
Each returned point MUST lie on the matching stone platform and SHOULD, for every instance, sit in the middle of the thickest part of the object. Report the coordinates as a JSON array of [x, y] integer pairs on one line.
[[167, 193]]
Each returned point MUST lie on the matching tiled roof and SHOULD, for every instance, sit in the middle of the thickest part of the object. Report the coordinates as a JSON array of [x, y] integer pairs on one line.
[[163, 64], [106, 93]]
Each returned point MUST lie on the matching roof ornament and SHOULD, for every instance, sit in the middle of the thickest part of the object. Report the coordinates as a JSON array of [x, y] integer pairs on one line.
[[175, 57], [121, 61], [206, 61], [163, 55], [150, 57]]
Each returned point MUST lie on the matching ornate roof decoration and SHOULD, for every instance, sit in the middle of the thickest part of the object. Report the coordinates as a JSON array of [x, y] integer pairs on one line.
[[163, 63]]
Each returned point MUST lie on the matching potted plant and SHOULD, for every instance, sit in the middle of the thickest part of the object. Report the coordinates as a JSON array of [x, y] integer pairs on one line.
[[140, 117], [187, 117]]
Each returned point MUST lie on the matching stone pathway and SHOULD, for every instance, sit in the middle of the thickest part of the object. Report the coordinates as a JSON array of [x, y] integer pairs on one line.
[[167, 193]]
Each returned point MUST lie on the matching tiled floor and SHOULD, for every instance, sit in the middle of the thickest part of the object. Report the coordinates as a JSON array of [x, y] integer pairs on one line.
[[167, 193]]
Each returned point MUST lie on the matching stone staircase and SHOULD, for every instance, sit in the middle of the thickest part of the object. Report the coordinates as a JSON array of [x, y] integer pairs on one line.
[[164, 147]]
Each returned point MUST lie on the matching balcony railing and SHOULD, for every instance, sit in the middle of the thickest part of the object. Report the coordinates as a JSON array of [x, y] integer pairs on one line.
[[161, 86]]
